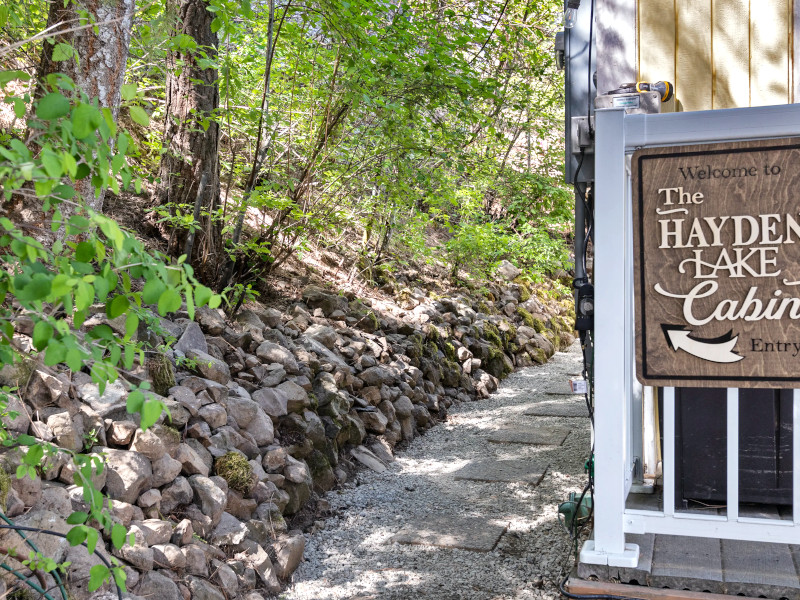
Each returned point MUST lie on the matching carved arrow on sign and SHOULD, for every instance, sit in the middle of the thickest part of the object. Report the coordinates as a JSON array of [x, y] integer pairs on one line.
[[718, 350]]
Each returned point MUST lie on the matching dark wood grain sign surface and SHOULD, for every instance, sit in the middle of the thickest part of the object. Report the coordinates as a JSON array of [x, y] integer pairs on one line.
[[717, 264]]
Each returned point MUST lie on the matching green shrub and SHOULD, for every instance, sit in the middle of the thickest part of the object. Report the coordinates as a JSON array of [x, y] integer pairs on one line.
[[234, 468]]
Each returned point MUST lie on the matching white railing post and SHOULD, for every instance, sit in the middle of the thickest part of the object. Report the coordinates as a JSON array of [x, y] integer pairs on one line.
[[796, 457], [668, 464], [611, 336], [732, 461]]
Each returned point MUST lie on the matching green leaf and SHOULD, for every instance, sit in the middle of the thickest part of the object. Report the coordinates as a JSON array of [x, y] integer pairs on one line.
[[138, 115], [78, 223], [168, 302], [97, 577], [52, 106], [74, 359], [92, 535], [152, 291], [118, 533], [55, 353], [131, 325], [85, 120], [134, 402], [129, 91], [77, 518], [84, 296], [52, 164], [37, 288], [101, 288], [42, 332], [151, 411], [34, 456], [117, 306], [76, 535], [62, 52], [202, 295], [101, 332], [84, 252], [120, 576]]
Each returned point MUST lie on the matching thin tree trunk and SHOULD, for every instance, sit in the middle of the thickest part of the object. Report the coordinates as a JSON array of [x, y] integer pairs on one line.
[[191, 135]]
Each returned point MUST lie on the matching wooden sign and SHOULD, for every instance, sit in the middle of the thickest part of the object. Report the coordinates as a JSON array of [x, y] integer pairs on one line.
[[717, 264]]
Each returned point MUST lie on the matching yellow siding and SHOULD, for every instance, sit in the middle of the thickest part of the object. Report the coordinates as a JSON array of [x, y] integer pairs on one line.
[[718, 53]]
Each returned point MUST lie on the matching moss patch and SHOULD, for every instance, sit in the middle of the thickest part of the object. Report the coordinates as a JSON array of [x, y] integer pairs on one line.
[[524, 290], [234, 468], [538, 355], [538, 325], [526, 317], [492, 334], [5, 487], [485, 308], [161, 373]]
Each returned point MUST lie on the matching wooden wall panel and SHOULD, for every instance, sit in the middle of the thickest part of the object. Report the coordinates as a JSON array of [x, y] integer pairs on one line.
[[656, 33], [719, 53], [731, 55], [769, 52], [693, 49]]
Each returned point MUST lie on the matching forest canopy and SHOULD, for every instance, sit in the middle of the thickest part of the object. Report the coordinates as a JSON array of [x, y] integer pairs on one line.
[[253, 131]]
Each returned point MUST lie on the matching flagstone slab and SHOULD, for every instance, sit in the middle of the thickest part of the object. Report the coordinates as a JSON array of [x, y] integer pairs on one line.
[[503, 471], [557, 409], [445, 531], [533, 435]]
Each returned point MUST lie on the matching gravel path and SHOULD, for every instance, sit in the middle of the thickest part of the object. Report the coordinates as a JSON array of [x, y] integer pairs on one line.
[[351, 559]]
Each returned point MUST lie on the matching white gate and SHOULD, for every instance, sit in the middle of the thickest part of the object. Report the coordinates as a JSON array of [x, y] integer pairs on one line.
[[618, 395]]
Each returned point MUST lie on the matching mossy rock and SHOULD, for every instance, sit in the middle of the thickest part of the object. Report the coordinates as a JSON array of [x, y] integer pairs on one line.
[[552, 337], [554, 324], [498, 364], [417, 344], [538, 325], [234, 469], [321, 471], [449, 351], [538, 355], [484, 308], [492, 334], [431, 350], [524, 290], [526, 317], [565, 339]]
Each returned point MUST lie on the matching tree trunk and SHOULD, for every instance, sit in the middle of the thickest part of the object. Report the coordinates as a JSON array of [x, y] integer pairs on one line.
[[99, 70], [191, 136]]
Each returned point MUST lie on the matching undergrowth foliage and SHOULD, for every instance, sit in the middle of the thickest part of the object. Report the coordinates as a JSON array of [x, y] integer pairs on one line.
[[56, 277]]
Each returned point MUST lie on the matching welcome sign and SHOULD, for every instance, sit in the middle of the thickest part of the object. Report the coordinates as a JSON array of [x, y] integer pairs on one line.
[[717, 264]]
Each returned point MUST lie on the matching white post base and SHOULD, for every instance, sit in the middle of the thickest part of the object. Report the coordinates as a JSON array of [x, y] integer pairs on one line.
[[628, 558]]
